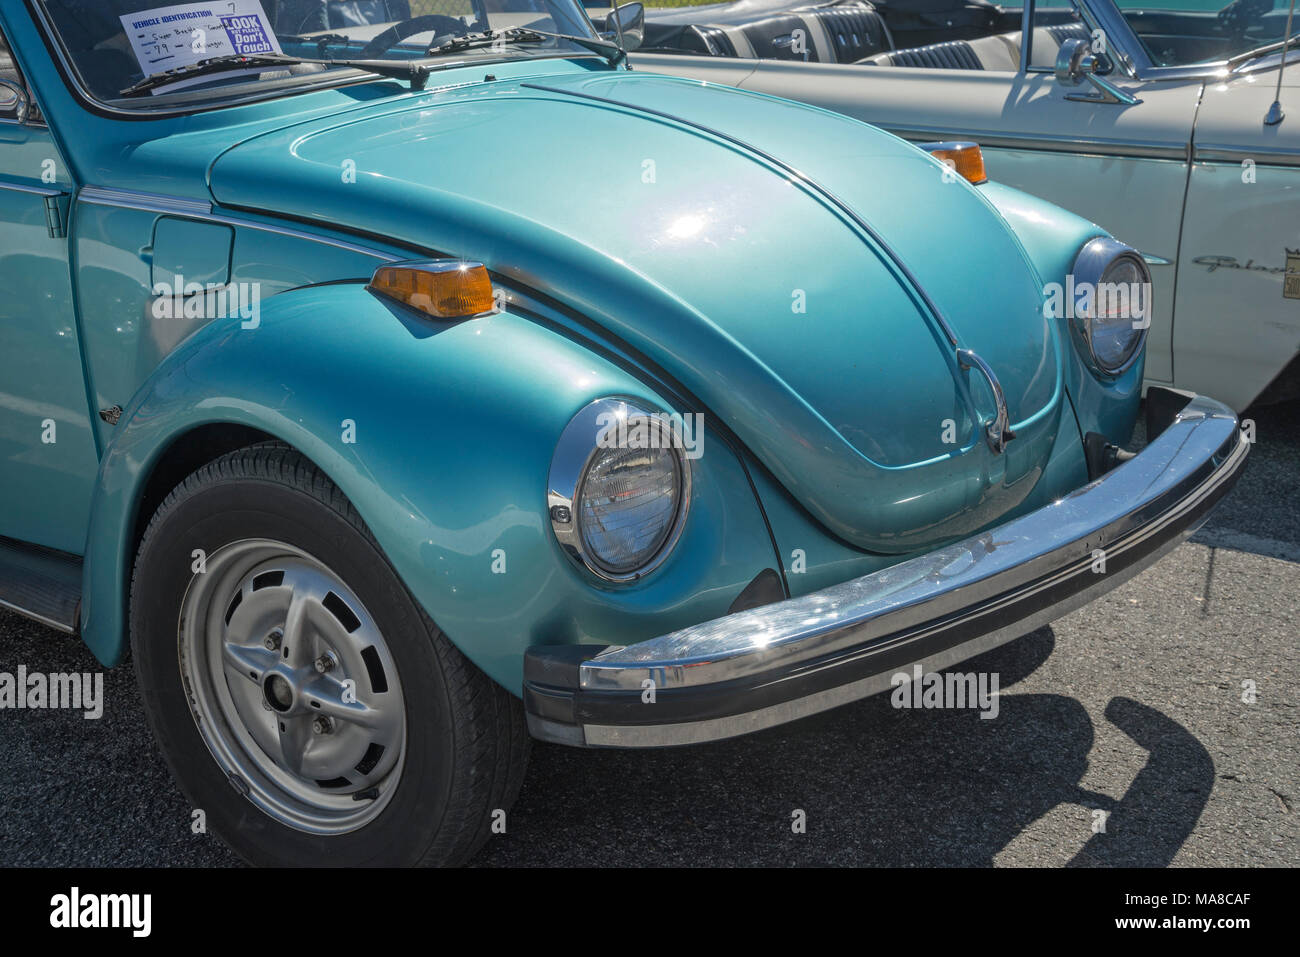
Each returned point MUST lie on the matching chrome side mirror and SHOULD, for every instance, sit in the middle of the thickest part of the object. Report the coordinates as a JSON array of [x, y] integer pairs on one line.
[[627, 20], [1075, 62], [14, 99]]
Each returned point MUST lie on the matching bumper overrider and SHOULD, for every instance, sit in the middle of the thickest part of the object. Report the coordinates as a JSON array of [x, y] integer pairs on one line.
[[758, 668]]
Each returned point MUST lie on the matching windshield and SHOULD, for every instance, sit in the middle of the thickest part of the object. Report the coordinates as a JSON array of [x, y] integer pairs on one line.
[[1188, 32], [115, 45]]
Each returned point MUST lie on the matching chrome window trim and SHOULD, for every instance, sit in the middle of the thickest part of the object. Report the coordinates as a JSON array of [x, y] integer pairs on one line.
[[1027, 36], [71, 76], [1122, 44], [1133, 58], [574, 452], [347, 77]]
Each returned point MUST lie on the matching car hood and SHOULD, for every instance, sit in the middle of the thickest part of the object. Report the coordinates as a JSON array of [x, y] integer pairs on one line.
[[664, 210]]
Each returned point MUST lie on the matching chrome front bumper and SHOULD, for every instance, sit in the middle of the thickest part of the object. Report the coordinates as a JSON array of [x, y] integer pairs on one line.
[[763, 667]]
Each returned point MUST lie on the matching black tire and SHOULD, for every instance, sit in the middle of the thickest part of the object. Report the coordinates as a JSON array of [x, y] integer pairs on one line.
[[466, 738]]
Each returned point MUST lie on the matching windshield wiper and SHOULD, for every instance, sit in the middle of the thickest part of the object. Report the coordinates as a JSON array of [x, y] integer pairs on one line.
[[416, 73], [612, 53], [1258, 52], [322, 40]]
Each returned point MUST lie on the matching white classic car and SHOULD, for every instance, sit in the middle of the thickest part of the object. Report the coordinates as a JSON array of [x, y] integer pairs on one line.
[[1173, 124]]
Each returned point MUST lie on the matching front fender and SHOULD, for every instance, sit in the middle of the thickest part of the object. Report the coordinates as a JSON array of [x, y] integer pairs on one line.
[[452, 427], [1052, 238]]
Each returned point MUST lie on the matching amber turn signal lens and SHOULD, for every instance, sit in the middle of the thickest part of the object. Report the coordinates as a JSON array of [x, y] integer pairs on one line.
[[444, 289], [965, 159]]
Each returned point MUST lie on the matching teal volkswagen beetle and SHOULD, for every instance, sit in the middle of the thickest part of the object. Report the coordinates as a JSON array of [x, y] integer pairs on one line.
[[398, 382]]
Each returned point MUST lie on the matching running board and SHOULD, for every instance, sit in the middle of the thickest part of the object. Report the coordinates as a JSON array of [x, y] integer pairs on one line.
[[41, 584]]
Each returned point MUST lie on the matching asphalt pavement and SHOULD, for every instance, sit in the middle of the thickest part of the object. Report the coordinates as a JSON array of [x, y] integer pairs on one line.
[[1159, 725]]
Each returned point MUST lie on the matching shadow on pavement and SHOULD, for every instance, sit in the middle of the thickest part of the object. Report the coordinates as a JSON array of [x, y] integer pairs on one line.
[[878, 785]]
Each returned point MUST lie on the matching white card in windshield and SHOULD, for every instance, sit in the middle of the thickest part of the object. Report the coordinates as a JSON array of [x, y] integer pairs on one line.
[[183, 34]]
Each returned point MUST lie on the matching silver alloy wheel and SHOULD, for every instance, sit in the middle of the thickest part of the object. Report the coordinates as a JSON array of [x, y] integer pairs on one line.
[[292, 686]]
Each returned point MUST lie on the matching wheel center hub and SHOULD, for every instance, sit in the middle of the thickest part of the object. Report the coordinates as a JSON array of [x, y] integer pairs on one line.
[[278, 692]]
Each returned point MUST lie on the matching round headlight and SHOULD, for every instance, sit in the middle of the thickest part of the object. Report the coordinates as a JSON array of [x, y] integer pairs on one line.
[[1112, 306], [619, 488]]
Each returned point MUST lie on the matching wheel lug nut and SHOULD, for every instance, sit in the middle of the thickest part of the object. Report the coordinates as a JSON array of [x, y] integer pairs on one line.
[[273, 640], [327, 662], [322, 725]]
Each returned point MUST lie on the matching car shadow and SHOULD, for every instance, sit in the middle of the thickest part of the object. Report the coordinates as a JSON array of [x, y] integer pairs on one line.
[[874, 785]]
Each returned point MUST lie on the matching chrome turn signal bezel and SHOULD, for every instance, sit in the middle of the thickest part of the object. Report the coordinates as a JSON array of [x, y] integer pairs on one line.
[[574, 453], [478, 294], [963, 157]]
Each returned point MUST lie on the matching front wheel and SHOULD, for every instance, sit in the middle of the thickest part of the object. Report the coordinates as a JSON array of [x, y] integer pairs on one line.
[[302, 699]]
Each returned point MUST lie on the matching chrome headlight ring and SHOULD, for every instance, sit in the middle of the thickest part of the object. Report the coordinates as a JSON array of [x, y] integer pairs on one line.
[[1099, 259], [591, 435]]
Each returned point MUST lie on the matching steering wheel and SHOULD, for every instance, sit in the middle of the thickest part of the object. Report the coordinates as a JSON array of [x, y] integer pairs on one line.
[[1240, 15], [439, 24]]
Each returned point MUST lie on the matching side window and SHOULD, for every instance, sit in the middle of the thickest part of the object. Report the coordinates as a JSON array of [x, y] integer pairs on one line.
[[10, 83], [1055, 22]]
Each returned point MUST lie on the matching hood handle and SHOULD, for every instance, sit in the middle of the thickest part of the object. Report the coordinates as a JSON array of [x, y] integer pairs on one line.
[[997, 431]]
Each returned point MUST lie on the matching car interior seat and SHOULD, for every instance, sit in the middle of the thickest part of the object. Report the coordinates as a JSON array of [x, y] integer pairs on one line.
[[999, 52], [837, 33]]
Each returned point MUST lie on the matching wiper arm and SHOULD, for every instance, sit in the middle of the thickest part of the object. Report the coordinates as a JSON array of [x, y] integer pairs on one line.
[[322, 40], [416, 73], [1258, 52], [612, 53], [212, 65], [486, 38]]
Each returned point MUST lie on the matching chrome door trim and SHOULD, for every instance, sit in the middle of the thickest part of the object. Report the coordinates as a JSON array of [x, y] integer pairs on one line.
[[301, 234], [1222, 153], [198, 209], [147, 202], [42, 191], [1047, 143]]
